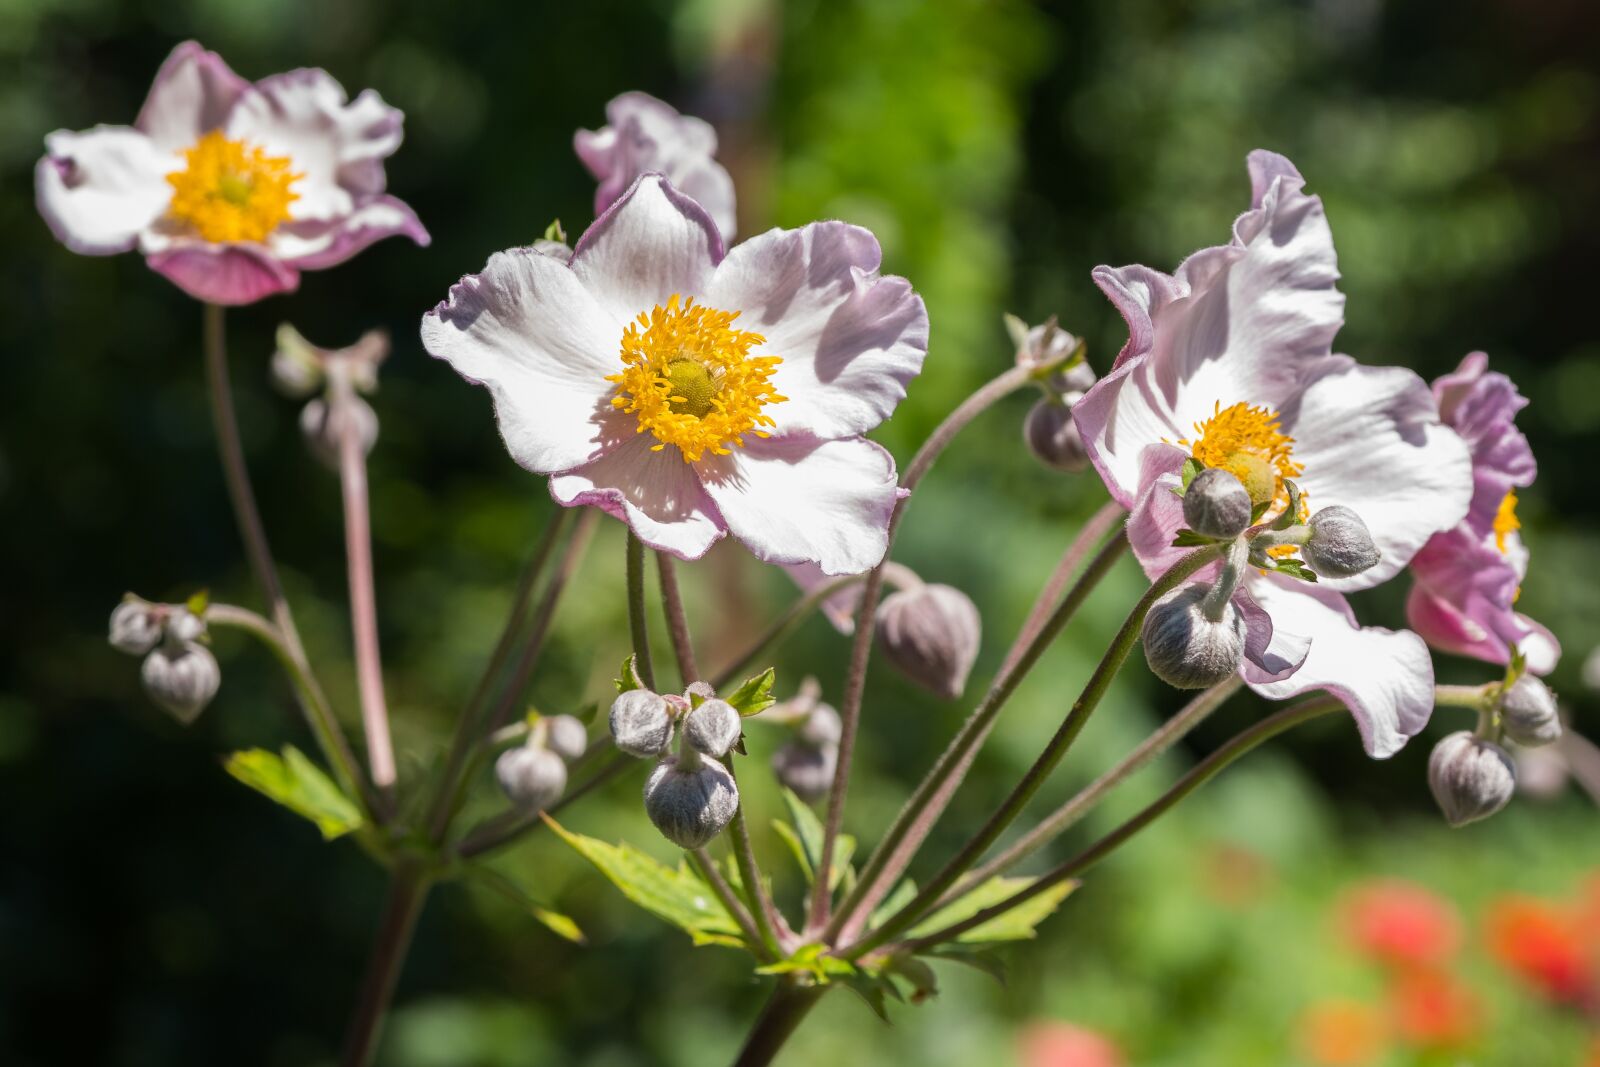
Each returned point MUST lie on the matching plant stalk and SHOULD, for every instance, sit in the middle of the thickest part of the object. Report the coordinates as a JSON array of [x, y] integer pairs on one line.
[[407, 891]]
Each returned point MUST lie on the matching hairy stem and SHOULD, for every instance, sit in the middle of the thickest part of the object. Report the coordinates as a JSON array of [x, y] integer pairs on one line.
[[1100, 524], [677, 620], [787, 1008], [408, 889], [638, 624], [499, 830], [735, 907], [755, 890]]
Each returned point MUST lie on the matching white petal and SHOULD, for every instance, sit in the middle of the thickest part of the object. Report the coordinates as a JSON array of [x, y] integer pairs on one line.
[[193, 93], [796, 501], [655, 493], [650, 244], [99, 188], [1385, 677], [849, 339], [1271, 653], [527, 331]]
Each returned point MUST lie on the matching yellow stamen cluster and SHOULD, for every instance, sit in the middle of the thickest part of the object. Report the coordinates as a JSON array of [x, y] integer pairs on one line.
[[232, 190], [1506, 522], [689, 377], [1247, 441]]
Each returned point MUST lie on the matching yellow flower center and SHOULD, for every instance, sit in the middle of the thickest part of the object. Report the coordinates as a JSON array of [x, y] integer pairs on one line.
[[1246, 440], [232, 190], [1505, 521], [690, 379]]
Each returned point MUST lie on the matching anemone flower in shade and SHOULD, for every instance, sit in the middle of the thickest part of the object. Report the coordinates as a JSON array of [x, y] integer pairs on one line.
[[1468, 577], [228, 188], [693, 394], [1229, 360], [644, 135]]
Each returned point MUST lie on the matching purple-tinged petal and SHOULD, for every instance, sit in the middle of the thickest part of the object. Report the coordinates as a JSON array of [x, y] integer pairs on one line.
[[840, 608], [850, 340], [314, 246], [650, 244], [231, 275], [526, 330], [193, 93], [794, 500], [1157, 512], [1482, 407], [1271, 654], [99, 188], [1463, 600], [655, 493]]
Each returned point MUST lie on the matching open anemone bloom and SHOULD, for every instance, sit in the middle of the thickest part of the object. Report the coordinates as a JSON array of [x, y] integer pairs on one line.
[[644, 135], [1229, 361], [228, 188], [694, 394], [1468, 577]]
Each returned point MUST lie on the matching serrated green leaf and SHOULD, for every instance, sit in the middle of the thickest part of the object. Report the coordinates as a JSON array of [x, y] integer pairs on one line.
[[1015, 925], [811, 959], [755, 694], [677, 895], [1295, 569], [557, 923], [986, 962], [629, 679], [299, 785], [1187, 538], [804, 839], [898, 898], [871, 989]]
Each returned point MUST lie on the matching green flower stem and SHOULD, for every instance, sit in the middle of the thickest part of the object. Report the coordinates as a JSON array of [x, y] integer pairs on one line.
[[762, 908], [638, 624], [408, 889], [677, 619], [781, 628], [503, 829], [1208, 768], [1076, 718], [1092, 533], [741, 915], [236, 474], [787, 1008], [1472, 697]]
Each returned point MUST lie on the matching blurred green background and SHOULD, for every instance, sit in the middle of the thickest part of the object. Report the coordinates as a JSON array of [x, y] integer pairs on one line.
[[153, 912]]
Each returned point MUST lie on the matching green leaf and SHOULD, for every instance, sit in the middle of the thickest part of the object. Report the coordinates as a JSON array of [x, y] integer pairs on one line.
[[299, 785], [1295, 569], [1258, 511], [199, 602], [1291, 513], [986, 962], [630, 676], [811, 960], [1187, 538], [1015, 925], [1191, 470], [677, 895], [874, 991], [898, 898], [804, 839], [559, 924], [554, 232], [755, 695]]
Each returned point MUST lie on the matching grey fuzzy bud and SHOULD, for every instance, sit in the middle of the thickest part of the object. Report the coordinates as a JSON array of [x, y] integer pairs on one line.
[[1186, 649], [1053, 437], [323, 426], [693, 805], [182, 678], [1528, 713], [1217, 504], [531, 777], [713, 728], [1470, 778], [184, 625], [641, 725], [821, 727], [806, 769], [135, 626], [1340, 544], [566, 736], [931, 635]]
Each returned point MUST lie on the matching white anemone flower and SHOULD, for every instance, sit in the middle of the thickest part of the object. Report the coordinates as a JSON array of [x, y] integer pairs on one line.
[[1230, 360], [694, 394]]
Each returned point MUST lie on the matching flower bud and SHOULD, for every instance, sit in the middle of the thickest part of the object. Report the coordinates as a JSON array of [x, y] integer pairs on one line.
[[1542, 773], [1340, 544], [532, 777], [693, 805], [1186, 649], [1528, 713], [821, 727], [641, 725], [1217, 504], [806, 769], [182, 678], [184, 625], [566, 736], [931, 635], [713, 728], [1053, 437], [135, 626], [323, 426], [1470, 778]]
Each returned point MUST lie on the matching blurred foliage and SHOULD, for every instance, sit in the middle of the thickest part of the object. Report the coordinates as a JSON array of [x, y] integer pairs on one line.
[[1000, 150]]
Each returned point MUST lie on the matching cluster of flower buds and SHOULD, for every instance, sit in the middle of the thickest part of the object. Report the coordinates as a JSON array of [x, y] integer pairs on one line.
[[1057, 355], [1471, 773], [931, 634], [533, 774], [690, 796], [179, 673], [806, 762], [335, 380], [1194, 636]]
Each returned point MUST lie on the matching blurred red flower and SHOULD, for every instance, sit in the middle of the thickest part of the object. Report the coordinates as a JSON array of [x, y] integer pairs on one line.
[[1058, 1044], [1543, 943], [1342, 1033], [1401, 924], [1433, 1010]]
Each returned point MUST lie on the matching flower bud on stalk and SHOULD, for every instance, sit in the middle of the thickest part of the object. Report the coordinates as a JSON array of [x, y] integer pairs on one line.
[[641, 723], [713, 728], [1340, 544], [566, 736], [181, 676], [806, 769], [531, 776], [323, 425], [822, 727], [1053, 437], [1184, 646], [1216, 504], [1528, 713], [931, 635], [135, 626], [1471, 778], [690, 800]]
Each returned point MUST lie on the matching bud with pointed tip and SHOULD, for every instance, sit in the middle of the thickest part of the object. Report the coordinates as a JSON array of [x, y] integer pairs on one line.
[[1528, 713], [182, 678], [1340, 544], [1471, 778], [566, 736], [690, 800], [713, 728], [806, 769], [931, 635], [323, 426], [1053, 437], [135, 626], [1187, 649], [531, 776], [641, 723], [1217, 504]]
